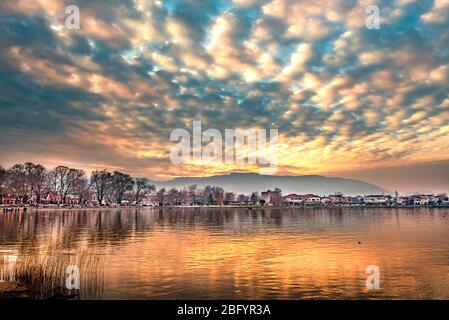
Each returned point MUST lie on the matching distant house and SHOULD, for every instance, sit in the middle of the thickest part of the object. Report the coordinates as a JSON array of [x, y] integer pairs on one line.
[[51, 198], [339, 199], [425, 200], [421, 200], [293, 199], [326, 201], [336, 199], [72, 199], [9, 200], [441, 199], [401, 201], [92, 199], [272, 197], [312, 199], [351, 200], [376, 199], [297, 199]]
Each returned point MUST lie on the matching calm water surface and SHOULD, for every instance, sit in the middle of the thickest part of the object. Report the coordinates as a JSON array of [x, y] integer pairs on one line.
[[249, 254]]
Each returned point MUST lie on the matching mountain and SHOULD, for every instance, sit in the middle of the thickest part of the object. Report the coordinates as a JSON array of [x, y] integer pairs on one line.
[[249, 182]]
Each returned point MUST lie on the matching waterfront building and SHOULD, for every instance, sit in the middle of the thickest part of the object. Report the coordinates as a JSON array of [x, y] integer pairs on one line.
[[293, 199], [312, 199], [272, 197], [376, 200]]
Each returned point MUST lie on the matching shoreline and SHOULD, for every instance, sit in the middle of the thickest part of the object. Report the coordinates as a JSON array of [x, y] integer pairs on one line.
[[10, 290], [105, 208]]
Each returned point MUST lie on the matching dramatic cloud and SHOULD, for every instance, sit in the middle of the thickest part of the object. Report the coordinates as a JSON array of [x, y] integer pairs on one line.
[[344, 97]]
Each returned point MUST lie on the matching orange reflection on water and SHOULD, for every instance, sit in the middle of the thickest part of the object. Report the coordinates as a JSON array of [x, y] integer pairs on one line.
[[258, 254]]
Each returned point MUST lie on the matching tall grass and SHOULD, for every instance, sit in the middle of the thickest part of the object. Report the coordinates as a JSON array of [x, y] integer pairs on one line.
[[43, 273]]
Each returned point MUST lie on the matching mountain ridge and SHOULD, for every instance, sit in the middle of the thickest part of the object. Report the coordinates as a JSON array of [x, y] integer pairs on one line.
[[249, 182]]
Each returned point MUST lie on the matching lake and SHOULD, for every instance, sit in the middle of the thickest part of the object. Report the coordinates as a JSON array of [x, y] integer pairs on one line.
[[248, 254]]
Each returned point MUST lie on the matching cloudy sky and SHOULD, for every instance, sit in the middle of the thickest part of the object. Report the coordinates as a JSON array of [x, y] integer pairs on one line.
[[347, 100]]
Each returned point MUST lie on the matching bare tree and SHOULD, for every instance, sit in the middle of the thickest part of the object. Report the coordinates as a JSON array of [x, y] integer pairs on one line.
[[183, 196], [207, 195], [160, 196], [3, 183], [193, 189], [242, 198], [218, 195], [101, 181], [80, 185], [255, 197], [36, 175], [18, 182], [121, 185], [229, 197], [173, 196], [63, 180], [142, 187]]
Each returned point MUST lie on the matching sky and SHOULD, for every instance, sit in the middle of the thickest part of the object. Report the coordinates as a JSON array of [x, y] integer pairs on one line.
[[347, 100]]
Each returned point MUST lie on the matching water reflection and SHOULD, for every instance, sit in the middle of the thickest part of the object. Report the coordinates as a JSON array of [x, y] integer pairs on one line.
[[242, 253]]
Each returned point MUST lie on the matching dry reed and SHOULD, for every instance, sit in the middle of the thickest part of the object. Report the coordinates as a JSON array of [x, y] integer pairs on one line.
[[43, 273]]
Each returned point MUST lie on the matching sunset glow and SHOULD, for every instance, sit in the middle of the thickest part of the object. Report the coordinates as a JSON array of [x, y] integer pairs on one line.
[[347, 100]]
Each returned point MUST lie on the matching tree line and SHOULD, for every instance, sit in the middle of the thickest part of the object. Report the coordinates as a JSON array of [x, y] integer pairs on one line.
[[29, 182], [209, 195]]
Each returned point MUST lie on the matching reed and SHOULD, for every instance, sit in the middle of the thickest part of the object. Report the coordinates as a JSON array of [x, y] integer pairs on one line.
[[43, 273]]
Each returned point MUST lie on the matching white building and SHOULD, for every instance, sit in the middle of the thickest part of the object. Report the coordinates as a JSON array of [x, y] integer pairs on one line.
[[312, 199], [293, 199], [376, 199]]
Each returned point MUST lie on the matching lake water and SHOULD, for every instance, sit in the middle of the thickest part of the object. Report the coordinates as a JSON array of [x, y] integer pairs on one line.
[[248, 254]]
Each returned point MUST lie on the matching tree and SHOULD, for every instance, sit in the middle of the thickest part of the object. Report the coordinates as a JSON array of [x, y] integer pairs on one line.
[[218, 195], [142, 187], [242, 198], [173, 196], [80, 186], [36, 175], [193, 189], [229, 197], [121, 185], [64, 181], [255, 197], [18, 182], [58, 180], [207, 195], [183, 196], [3, 183], [101, 182], [160, 196]]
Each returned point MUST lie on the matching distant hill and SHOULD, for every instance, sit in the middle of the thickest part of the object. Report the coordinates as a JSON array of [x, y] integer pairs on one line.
[[249, 182]]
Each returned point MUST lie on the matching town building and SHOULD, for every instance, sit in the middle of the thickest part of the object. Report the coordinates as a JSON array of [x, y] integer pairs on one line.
[[376, 200], [293, 199], [272, 197], [311, 199]]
